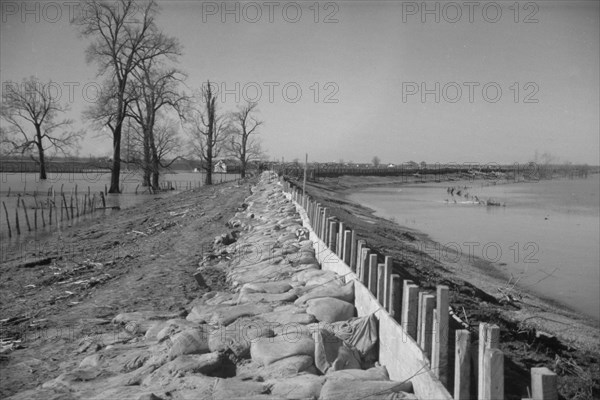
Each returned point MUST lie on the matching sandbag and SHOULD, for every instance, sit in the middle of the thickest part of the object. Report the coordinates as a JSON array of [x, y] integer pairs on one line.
[[266, 287], [360, 333], [268, 350], [378, 373], [345, 293], [306, 386], [267, 297], [331, 353], [227, 315], [358, 390], [328, 309], [286, 367], [190, 341]]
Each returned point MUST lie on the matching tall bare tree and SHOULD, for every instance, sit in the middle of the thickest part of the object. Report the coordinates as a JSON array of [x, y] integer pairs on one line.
[[242, 142], [154, 88], [207, 129], [376, 161], [124, 34], [33, 127]]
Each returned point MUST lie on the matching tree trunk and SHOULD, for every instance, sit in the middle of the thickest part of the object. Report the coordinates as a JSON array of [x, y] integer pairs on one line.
[[116, 164], [243, 170], [41, 154], [155, 162], [147, 160]]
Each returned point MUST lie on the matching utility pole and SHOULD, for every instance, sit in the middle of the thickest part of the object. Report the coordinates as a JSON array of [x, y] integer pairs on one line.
[[305, 166]]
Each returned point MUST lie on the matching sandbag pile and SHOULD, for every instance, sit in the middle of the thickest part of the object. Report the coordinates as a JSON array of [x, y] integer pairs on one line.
[[286, 330]]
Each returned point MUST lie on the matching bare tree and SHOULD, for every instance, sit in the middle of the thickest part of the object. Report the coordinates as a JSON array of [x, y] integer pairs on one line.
[[376, 161], [154, 88], [33, 125], [207, 129], [124, 34], [242, 143]]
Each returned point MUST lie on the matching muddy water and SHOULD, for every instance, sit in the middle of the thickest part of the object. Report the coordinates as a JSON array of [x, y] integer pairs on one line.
[[546, 235]]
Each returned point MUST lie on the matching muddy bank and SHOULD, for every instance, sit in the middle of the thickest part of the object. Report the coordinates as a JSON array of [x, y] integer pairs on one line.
[[535, 332]]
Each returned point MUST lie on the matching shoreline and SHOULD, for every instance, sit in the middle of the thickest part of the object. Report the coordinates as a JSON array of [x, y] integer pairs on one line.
[[532, 328]]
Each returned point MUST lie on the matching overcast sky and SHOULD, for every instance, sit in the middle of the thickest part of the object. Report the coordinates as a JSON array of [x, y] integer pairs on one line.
[[361, 68]]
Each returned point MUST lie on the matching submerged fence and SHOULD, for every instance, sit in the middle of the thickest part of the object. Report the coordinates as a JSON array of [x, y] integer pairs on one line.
[[416, 341]]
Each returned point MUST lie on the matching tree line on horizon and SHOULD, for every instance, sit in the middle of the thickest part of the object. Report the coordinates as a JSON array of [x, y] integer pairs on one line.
[[142, 95]]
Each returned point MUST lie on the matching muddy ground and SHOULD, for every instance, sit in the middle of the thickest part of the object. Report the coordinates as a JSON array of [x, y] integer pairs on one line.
[[59, 291], [534, 332]]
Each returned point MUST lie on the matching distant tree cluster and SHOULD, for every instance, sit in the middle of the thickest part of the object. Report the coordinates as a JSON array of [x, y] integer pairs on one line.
[[141, 96]]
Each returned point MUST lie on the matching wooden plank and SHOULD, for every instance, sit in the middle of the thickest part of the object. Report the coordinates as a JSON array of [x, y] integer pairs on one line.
[[340, 243], [333, 231], [420, 314], [359, 268], [325, 224], [395, 307], [439, 356], [462, 365], [389, 262], [347, 246], [372, 279], [410, 298], [353, 252], [427, 321], [493, 375], [381, 284], [483, 330], [543, 384], [365, 265]]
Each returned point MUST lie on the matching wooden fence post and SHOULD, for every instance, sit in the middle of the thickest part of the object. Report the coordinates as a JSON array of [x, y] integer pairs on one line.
[[427, 324], [372, 279], [381, 284], [389, 263], [347, 245], [352, 264], [7, 220], [489, 337], [365, 266], [359, 268], [462, 365], [493, 375], [410, 295], [324, 224], [340, 242], [333, 230], [543, 384], [439, 357], [395, 306]]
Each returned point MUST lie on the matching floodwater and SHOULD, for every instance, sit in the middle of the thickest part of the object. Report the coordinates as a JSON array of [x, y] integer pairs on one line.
[[26, 184], [544, 234]]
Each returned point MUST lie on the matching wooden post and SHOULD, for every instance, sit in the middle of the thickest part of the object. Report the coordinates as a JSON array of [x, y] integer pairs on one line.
[[381, 284], [347, 245], [395, 297], [340, 242], [35, 219], [462, 365], [324, 224], [43, 220], [66, 208], [410, 296], [420, 315], [353, 252], [493, 375], [439, 357], [372, 279], [26, 215], [427, 324], [489, 338], [359, 268], [71, 201], [332, 236], [389, 262], [543, 384], [365, 266], [7, 221], [103, 200], [50, 215]]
